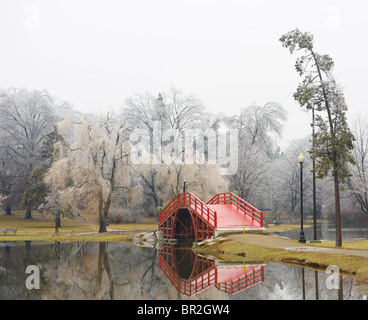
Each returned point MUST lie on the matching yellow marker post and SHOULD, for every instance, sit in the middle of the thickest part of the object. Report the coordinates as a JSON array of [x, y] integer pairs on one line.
[[243, 227], [244, 267]]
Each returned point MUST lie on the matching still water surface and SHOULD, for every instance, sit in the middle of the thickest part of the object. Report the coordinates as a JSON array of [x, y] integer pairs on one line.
[[118, 271], [327, 231]]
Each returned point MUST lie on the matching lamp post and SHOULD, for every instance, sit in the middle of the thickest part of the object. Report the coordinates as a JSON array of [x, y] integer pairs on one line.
[[301, 160], [314, 182]]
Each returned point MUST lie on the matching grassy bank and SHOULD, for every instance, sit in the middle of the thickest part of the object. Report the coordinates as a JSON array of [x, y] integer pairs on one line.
[[352, 245], [42, 228], [285, 227]]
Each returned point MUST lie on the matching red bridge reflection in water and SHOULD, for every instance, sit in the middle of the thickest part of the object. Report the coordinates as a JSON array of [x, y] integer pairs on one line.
[[191, 274]]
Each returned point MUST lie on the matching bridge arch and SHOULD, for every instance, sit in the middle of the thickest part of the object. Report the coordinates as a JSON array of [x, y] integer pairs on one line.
[[184, 224], [187, 217]]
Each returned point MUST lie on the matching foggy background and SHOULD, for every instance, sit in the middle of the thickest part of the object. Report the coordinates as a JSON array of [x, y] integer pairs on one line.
[[94, 54]]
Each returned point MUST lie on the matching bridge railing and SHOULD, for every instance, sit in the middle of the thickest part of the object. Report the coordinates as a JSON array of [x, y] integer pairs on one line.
[[184, 200], [195, 284], [239, 203], [252, 277]]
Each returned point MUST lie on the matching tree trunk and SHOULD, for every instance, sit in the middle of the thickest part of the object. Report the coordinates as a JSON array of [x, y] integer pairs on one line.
[[28, 214], [56, 224], [335, 164], [106, 209], [101, 214], [8, 211], [102, 220], [102, 226], [337, 208], [314, 204], [58, 221]]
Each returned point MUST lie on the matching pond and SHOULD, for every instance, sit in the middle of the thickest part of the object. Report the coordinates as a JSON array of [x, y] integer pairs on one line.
[[117, 271], [326, 231]]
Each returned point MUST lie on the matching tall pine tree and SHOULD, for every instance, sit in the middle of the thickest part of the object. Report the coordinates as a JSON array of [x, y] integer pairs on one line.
[[333, 140]]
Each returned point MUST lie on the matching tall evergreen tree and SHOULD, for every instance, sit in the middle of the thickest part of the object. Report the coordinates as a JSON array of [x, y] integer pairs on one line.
[[35, 192], [333, 140]]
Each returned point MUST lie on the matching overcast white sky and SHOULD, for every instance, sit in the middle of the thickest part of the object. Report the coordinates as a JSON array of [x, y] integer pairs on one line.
[[96, 53]]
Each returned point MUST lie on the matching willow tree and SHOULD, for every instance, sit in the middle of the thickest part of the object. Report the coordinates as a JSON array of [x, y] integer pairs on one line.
[[333, 140], [256, 125], [93, 167]]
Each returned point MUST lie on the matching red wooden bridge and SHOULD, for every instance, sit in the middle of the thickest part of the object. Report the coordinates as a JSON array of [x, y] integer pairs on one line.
[[188, 217], [191, 274]]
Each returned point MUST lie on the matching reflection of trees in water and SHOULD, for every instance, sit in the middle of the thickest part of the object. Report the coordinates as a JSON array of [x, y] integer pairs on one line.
[[105, 271], [114, 283], [149, 277], [290, 282], [15, 259], [121, 271]]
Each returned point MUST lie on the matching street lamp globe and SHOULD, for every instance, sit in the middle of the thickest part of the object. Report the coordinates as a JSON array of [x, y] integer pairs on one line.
[[301, 158]]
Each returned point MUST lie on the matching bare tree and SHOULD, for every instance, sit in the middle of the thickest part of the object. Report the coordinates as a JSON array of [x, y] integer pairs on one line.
[[289, 174], [162, 120], [358, 183], [26, 117], [179, 110], [252, 172], [255, 125]]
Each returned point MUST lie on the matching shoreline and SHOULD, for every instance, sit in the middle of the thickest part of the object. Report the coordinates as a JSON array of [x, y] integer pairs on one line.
[[276, 249]]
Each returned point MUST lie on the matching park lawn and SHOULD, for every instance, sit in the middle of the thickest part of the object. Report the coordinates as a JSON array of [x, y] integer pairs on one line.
[[42, 225], [356, 244], [133, 227], [284, 227], [42, 228]]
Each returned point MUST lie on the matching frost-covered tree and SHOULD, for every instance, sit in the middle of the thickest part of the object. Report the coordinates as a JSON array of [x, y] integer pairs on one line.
[[94, 166], [26, 118], [180, 111], [2, 198], [333, 140], [358, 182], [257, 126], [161, 125], [288, 172]]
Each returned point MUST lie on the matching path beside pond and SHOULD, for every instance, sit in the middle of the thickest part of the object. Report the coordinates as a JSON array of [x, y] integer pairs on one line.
[[277, 242]]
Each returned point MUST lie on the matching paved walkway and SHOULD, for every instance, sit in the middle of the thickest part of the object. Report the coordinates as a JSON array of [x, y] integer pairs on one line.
[[278, 242]]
